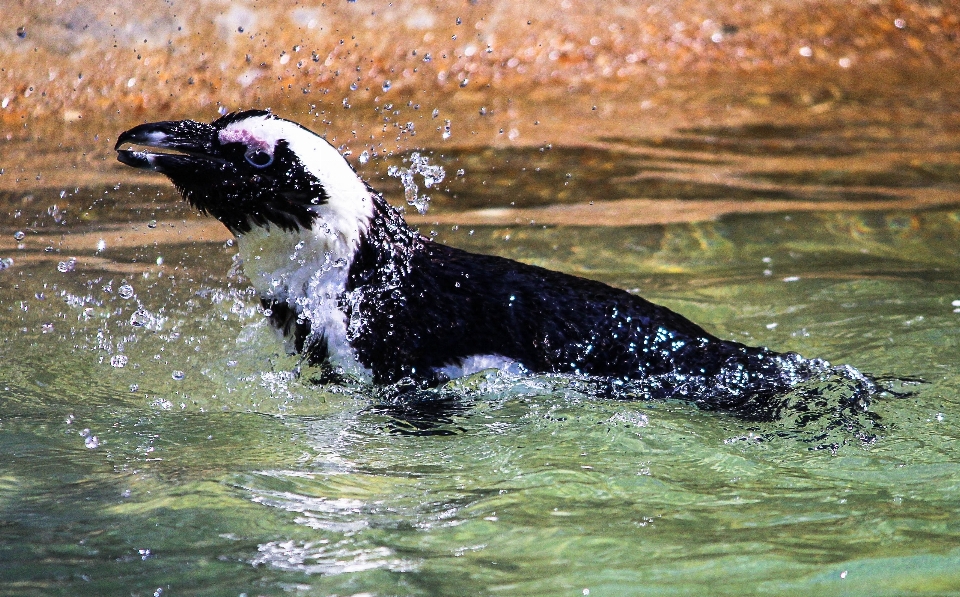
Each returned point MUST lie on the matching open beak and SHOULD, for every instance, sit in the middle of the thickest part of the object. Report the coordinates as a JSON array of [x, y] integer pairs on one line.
[[194, 144]]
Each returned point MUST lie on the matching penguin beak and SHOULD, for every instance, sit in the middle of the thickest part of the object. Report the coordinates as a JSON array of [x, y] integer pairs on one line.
[[192, 147]]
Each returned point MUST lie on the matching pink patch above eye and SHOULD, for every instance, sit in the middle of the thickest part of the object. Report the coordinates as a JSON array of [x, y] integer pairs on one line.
[[245, 137]]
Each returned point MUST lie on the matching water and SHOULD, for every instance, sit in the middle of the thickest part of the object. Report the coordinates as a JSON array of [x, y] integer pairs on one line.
[[156, 437]]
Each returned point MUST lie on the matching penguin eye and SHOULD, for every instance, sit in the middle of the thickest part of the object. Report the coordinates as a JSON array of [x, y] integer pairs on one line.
[[258, 158]]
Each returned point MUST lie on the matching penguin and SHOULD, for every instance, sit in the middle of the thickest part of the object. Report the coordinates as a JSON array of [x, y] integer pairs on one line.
[[351, 286]]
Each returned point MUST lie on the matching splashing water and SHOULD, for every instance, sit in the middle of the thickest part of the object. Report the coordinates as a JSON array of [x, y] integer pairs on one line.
[[432, 175]]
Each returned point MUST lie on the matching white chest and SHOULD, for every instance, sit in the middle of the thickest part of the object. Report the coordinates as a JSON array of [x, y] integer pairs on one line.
[[308, 270]]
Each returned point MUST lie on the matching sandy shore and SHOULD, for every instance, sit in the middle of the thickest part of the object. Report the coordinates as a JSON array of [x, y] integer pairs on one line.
[[96, 63]]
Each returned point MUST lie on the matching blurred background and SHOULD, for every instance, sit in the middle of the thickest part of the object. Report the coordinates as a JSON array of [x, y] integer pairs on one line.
[[480, 73]]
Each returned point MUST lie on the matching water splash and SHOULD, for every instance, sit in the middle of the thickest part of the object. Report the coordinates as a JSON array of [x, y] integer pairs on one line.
[[432, 175]]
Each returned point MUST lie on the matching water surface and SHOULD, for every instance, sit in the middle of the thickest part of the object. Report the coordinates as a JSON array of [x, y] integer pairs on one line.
[[156, 438]]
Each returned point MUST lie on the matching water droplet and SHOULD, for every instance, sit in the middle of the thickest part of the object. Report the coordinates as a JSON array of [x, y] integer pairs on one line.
[[387, 85], [125, 291], [178, 375], [364, 157], [459, 21], [118, 361], [464, 82], [21, 32], [139, 318], [67, 266], [5, 263], [92, 442], [239, 29], [19, 235], [134, 387], [152, 224]]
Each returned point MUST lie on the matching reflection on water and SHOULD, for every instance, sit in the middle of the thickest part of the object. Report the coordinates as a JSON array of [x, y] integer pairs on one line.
[[218, 469]]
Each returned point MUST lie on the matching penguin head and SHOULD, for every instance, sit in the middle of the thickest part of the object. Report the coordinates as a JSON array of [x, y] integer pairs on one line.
[[253, 169]]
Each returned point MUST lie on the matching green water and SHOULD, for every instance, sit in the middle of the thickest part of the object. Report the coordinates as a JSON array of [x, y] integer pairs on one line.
[[155, 442]]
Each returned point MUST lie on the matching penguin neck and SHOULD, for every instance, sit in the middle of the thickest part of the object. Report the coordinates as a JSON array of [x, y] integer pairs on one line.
[[293, 265], [384, 255]]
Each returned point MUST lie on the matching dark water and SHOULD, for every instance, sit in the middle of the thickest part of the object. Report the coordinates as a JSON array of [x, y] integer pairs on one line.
[[156, 442]]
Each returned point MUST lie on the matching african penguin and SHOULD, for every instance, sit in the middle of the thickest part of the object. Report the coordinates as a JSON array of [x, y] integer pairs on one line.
[[349, 283]]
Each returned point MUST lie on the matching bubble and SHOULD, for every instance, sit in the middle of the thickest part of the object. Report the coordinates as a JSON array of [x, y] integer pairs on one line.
[[125, 291], [152, 224], [5, 263], [178, 375], [67, 266], [92, 442], [119, 361], [387, 85], [19, 235]]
